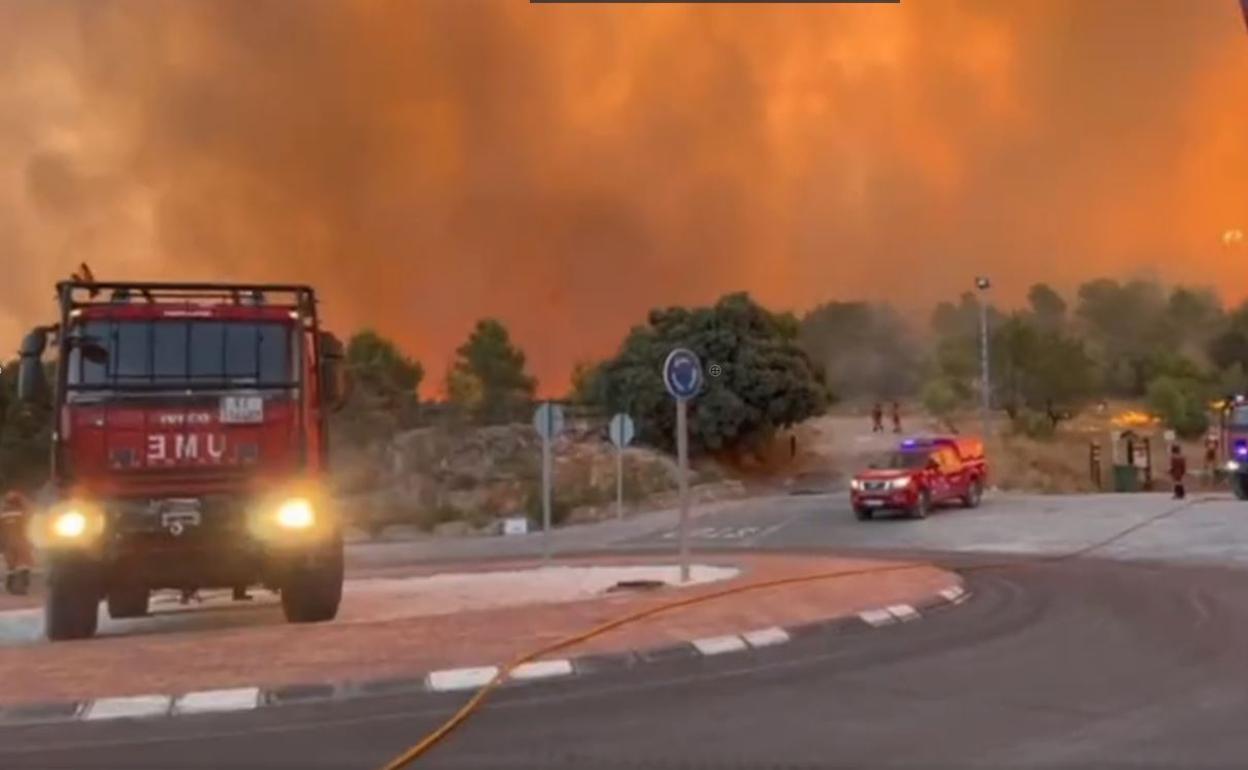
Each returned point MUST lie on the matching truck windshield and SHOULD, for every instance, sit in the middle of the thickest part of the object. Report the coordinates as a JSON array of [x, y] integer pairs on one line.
[[119, 353], [906, 460]]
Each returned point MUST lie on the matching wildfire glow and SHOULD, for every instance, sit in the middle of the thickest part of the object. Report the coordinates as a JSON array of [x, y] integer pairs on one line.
[[567, 168]]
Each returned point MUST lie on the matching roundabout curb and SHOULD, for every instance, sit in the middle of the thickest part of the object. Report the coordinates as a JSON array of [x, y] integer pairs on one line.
[[462, 679]]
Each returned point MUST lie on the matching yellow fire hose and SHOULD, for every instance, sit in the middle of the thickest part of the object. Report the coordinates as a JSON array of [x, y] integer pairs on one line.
[[430, 740]]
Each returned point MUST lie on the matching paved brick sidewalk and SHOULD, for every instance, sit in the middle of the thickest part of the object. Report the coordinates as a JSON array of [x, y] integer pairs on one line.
[[270, 653]]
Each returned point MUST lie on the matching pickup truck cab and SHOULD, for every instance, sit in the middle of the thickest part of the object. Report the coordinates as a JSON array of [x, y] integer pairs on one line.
[[920, 474]]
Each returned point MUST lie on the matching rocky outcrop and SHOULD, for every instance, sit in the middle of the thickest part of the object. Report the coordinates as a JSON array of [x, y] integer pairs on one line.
[[466, 479]]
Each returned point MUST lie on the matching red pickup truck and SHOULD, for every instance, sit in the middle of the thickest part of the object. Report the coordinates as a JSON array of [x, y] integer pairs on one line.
[[920, 474]]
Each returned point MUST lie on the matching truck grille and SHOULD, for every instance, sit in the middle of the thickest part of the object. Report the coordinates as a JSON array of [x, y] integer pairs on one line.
[[184, 482], [875, 486]]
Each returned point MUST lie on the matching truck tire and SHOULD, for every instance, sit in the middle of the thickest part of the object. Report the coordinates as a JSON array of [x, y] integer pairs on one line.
[[127, 602], [861, 513], [71, 608], [1239, 485], [923, 506], [973, 495], [312, 590]]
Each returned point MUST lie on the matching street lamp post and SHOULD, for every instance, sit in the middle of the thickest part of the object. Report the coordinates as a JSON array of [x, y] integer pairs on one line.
[[983, 284]]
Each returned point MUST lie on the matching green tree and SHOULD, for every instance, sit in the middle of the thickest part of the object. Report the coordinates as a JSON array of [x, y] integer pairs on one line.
[[490, 357], [1181, 403], [1040, 369], [941, 398], [25, 434], [1139, 331], [384, 388], [1047, 306], [765, 380], [588, 384]]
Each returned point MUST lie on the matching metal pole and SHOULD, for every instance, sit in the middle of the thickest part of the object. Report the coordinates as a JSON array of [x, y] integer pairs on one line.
[[619, 482], [985, 382], [682, 454], [546, 483]]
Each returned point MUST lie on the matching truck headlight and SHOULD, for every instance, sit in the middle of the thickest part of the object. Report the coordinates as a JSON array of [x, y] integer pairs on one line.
[[855, 484], [900, 483], [71, 525], [295, 513], [1232, 465]]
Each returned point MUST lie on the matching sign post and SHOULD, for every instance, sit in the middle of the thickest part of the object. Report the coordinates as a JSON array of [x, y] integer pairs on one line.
[[548, 420], [622, 431], [682, 374]]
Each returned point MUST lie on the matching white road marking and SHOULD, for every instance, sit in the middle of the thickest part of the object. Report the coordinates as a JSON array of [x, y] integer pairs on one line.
[[952, 594], [718, 645], [131, 706], [903, 612], [461, 678], [765, 637], [542, 669], [877, 617], [205, 701]]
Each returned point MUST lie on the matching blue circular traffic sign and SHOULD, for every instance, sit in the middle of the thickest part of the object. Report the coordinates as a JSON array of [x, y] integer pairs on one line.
[[682, 374]]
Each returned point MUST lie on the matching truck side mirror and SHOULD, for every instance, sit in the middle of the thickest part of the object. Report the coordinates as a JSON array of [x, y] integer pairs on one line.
[[32, 384], [335, 385]]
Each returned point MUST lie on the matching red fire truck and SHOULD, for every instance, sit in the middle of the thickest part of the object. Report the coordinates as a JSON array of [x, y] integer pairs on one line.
[[921, 474], [189, 447]]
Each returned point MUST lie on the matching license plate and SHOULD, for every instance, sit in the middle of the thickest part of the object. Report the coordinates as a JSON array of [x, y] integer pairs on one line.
[[873, 503], [237, 410], [178, 514]]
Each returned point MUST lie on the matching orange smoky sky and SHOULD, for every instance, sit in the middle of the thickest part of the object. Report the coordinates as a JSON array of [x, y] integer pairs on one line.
[[566, 168]]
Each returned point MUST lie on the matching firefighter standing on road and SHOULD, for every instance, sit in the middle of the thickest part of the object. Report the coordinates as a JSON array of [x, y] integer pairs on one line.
[[896, 417], [1178, 469], [18, 553], [877, 418]]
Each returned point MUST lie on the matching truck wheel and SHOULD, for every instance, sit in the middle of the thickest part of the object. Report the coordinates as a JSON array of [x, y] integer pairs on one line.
[[312, 591], [863, 514], [1239, 486], [127, 602], [922, 507], [73, 601], [973, 495]]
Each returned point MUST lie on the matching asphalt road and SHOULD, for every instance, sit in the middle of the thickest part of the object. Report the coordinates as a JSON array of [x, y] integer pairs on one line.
[[1139, 660]]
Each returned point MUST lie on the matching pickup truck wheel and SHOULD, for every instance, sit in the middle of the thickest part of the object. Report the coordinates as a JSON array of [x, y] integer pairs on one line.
[[921, 508], [973, 495], [71, 609], [127, 602], [312, 592], [862, 513]]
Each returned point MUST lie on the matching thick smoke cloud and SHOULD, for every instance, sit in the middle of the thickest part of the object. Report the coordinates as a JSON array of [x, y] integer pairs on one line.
[[566, 168]]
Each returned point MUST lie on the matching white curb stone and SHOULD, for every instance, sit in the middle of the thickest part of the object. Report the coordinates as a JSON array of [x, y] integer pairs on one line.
[[461, 678], [209, 701], [877, 617], [129, 707], [542, 669], [718, 645], [903, 612], [765, 637]]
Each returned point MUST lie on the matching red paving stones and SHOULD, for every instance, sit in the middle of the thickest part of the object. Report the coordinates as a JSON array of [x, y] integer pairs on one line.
[[267, 652]]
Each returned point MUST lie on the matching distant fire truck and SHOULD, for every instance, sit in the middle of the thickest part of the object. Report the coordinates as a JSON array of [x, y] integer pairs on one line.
[[189, 447]]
